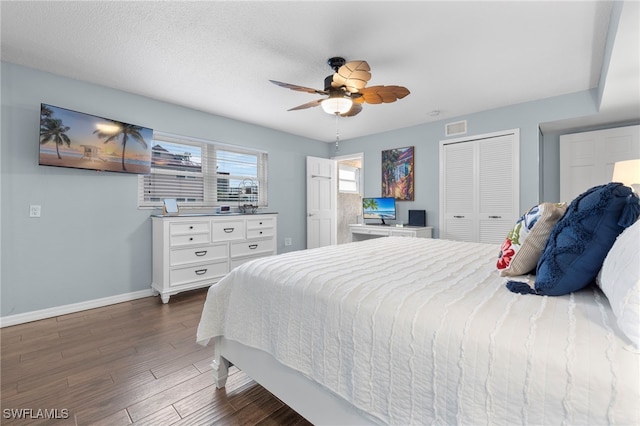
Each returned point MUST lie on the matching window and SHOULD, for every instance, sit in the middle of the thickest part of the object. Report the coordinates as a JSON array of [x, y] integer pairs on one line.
[[200, 173], [348, 179]]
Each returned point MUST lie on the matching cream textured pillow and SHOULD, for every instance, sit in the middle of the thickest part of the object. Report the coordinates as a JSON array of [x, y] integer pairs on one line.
[[525, 243], [619, 280]]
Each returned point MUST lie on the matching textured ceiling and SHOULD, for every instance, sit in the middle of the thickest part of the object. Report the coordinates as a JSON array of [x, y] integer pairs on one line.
[[455, 57]]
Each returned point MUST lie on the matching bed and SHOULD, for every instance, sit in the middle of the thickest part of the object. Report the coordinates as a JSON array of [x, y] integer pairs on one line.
[[419, 331]]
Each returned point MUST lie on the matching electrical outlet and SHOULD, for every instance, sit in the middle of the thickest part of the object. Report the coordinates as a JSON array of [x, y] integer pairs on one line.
[[34, 210], [287, 241]]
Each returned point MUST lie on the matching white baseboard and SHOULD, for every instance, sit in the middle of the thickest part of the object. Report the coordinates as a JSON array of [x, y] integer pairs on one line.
[[74, 307]]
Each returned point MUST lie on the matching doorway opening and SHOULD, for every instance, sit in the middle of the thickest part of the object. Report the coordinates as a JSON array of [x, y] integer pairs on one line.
[[350, 190]]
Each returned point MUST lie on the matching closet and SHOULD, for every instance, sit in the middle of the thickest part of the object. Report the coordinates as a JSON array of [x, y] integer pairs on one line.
[[587, 158], [479, 186]]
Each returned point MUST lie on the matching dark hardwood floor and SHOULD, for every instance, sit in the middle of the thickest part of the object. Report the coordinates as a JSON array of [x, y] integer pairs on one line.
[[131, 363]]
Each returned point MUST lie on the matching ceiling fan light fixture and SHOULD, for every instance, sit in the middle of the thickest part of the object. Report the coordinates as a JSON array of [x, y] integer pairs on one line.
[[337, 104]]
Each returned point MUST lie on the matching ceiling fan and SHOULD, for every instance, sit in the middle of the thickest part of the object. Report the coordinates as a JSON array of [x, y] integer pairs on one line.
[[346, 89]]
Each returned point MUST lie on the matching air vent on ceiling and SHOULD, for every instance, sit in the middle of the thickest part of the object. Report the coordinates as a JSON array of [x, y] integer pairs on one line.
[[457, 128]]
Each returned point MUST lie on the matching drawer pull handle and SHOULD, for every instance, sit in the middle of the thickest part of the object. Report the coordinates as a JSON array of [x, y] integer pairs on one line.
[[191, 227], [201, 253], [495, 217], [190, 238], [459, 217], [260, 232], [201, 271], [253, 246], [260, 223], [228, 230]]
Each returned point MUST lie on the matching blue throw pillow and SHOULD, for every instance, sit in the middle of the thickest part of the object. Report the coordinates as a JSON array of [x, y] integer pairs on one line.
[[580, 241]]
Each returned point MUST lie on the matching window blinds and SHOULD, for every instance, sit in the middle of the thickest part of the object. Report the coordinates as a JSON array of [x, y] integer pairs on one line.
[[201, 173]]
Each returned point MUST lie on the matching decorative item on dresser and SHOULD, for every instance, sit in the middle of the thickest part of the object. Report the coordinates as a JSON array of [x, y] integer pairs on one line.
[[193, 251]]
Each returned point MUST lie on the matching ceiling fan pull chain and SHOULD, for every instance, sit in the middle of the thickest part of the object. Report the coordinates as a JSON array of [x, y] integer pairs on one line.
[[337, 133]]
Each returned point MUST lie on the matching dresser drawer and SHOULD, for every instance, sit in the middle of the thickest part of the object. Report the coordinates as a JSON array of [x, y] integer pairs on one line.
[[226, 231], [369, 231], [262, 223], [252, 247], [198, 254], [258, 233], [179, 276], [190, 228], [395, 233], [182, 240]]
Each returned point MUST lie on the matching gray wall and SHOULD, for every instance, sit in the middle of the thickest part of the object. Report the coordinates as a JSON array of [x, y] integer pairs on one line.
[[535, 177], [92, 241]]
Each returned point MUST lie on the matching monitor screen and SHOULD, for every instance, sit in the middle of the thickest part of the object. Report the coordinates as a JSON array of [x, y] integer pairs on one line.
[[379, 208]]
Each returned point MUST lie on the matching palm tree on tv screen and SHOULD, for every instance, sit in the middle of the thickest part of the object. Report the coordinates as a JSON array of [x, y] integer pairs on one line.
[[370, 204], [127, 131], [52, 130]]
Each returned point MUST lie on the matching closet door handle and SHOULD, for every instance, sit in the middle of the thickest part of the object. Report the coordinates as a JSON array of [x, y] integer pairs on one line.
[[201, 271], [201, 253], [228, 230]]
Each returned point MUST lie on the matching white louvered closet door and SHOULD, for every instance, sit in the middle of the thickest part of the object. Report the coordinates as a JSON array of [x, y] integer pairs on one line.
[[479, 194], [498, 188], [459, 201], [587, 158]]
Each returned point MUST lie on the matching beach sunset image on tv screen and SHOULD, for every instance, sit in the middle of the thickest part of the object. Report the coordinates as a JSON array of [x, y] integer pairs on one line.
[[74, 139]]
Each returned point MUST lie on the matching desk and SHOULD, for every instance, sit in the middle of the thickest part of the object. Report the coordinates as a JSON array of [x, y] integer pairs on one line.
[[360, 232]]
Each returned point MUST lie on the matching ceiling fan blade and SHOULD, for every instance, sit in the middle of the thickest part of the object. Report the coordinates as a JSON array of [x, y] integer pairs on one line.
[[383, 94], [355, 109], [307, 105], [353, 75], [298, 88]]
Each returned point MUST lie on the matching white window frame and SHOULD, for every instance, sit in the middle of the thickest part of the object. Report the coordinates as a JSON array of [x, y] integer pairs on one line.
[[355, 180], [208, 198]]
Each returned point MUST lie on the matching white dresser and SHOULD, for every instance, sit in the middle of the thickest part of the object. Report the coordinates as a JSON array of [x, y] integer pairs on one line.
[[193, 251], [361, 232]]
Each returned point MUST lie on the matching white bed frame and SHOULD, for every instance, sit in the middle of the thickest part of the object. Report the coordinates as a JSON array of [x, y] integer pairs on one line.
[[311, 400]]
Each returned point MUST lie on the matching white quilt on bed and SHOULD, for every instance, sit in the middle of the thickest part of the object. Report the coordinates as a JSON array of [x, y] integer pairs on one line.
[[423, 331]]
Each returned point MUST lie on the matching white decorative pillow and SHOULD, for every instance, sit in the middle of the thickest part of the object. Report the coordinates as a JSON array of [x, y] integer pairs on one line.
[[525, 243], [619, 280]]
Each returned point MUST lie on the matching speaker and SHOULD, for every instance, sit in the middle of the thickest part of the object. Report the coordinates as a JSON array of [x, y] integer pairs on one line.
[[417, 218]]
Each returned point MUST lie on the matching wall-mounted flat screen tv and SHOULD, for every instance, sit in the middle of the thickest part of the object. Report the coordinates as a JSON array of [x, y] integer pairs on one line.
[[83, 141], [379, 208]]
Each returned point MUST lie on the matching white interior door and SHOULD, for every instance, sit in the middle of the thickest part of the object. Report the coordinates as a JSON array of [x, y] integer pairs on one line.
[[587, 159], [322, 189]]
